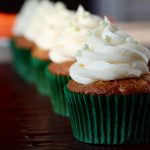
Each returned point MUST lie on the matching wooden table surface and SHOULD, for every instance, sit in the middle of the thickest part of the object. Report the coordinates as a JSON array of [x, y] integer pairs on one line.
[[28, 123]]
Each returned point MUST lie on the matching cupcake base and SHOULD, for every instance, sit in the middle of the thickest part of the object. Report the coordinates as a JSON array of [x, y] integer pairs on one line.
[[109, 119], [38, 73], [58, 100], [21, 61]]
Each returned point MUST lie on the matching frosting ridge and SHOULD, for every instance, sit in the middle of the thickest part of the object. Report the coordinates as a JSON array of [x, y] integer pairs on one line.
[[109, 54], [73, 36]]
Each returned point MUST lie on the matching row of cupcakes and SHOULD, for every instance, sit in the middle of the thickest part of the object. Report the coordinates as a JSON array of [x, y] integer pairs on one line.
[[43, 27], [108, 97]]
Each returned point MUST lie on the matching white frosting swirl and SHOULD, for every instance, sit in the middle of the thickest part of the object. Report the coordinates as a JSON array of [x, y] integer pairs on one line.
[[25, 16], [109, 54], [73, 36], [53, 28], [41, 15]]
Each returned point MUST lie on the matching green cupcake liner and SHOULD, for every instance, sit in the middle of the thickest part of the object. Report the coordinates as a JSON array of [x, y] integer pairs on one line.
[[14, 53], [58, 100], [21, 59], [109, 119], [38, 73]]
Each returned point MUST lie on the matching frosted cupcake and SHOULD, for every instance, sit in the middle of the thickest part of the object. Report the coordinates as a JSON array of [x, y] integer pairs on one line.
[[20, 45], [39, 55], [63, 55], [49, 33], [109, 94]]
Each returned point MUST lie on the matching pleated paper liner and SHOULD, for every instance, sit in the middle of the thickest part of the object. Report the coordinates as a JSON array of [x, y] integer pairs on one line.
[[109, 119], [21, 58], [58, 100], [38, 73]]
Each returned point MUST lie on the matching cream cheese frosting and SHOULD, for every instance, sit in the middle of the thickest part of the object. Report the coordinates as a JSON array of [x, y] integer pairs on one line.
[[73, 36], [53, 27], [35, 26], [109, 54], [25, 16]]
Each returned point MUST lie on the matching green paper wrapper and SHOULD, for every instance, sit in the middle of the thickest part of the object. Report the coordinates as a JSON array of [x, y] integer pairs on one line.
[[38, 73], [109, 119], [58, 100], [21, 59]]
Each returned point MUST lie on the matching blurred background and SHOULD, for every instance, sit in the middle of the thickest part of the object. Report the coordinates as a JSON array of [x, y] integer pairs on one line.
[[132, 15], [122, 10]]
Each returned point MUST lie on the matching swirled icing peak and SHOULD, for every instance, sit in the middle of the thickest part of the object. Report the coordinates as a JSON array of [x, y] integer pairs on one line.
[[74, 35], [109, 54], [42, 13], [26, 13]]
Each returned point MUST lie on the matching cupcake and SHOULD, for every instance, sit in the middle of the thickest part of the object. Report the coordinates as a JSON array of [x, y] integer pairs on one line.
[[63, 56], [52, 28], [37, 22], [20, 45], [109, 94], [39, 55], [39, 60]]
